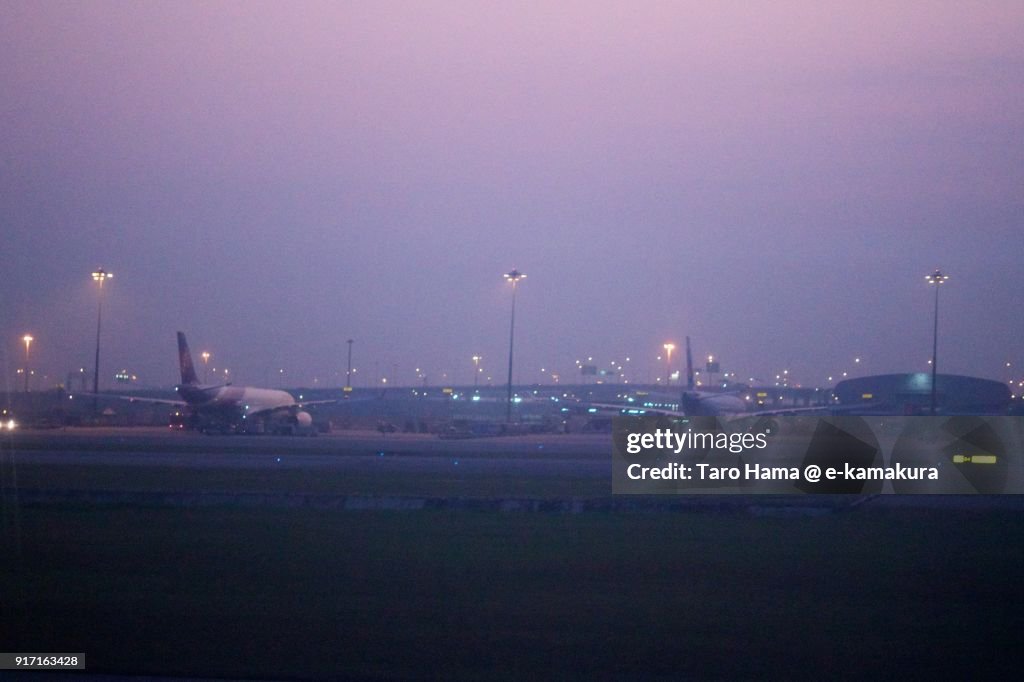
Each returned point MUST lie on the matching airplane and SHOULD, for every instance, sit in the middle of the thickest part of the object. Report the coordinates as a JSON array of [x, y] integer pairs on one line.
[[226, 408], [696, 403], [702, 403]]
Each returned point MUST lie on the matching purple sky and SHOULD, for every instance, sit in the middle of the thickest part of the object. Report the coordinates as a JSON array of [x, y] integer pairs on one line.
[[773, 179]]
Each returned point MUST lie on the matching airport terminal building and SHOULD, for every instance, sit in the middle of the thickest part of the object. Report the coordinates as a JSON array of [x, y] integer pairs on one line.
[[911, 394]]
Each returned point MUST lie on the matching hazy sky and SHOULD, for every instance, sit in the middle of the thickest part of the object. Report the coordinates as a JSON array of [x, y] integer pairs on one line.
[[773, 179]]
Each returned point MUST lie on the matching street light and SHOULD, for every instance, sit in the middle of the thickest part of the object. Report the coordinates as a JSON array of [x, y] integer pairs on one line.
[[476, 368], [100, 276], [514, 276], [669, 347], [28, 341], [206, 366], [935, 278]]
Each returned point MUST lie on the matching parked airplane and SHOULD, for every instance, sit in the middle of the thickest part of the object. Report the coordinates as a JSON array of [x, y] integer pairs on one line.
[[229, 409], [703, 403], [694, 403]]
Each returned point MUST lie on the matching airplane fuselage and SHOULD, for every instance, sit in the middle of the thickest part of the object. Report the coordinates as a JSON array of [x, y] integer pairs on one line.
[[230, 408], [714, 404], [246, 399]]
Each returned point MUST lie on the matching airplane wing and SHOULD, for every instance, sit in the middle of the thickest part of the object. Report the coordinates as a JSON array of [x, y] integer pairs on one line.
[[342, 401], [135, 399], [155, 401], [307, 403], [632, 411], [823, 410]]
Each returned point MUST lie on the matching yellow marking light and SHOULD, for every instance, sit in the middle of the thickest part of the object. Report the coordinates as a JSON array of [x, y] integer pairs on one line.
[[974, 459]]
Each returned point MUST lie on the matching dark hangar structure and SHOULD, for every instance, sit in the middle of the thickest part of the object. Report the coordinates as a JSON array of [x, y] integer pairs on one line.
[[910, 394]]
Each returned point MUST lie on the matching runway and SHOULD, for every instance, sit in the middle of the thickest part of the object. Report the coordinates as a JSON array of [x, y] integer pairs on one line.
[[336, 451], [365, 469], [130, 466]]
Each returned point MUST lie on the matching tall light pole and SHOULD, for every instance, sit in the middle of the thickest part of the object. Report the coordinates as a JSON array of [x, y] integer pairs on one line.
[[101, 276], [669, 347], [476, 369], [348, 373], [935, 278], [28, 341], [514, 276], [206, 366]]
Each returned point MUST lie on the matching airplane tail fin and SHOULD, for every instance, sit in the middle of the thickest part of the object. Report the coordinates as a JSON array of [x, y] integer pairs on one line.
[[188, 371], [689, 366]]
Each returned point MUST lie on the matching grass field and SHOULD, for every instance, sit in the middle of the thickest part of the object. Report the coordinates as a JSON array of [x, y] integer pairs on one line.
[[302, 594]]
